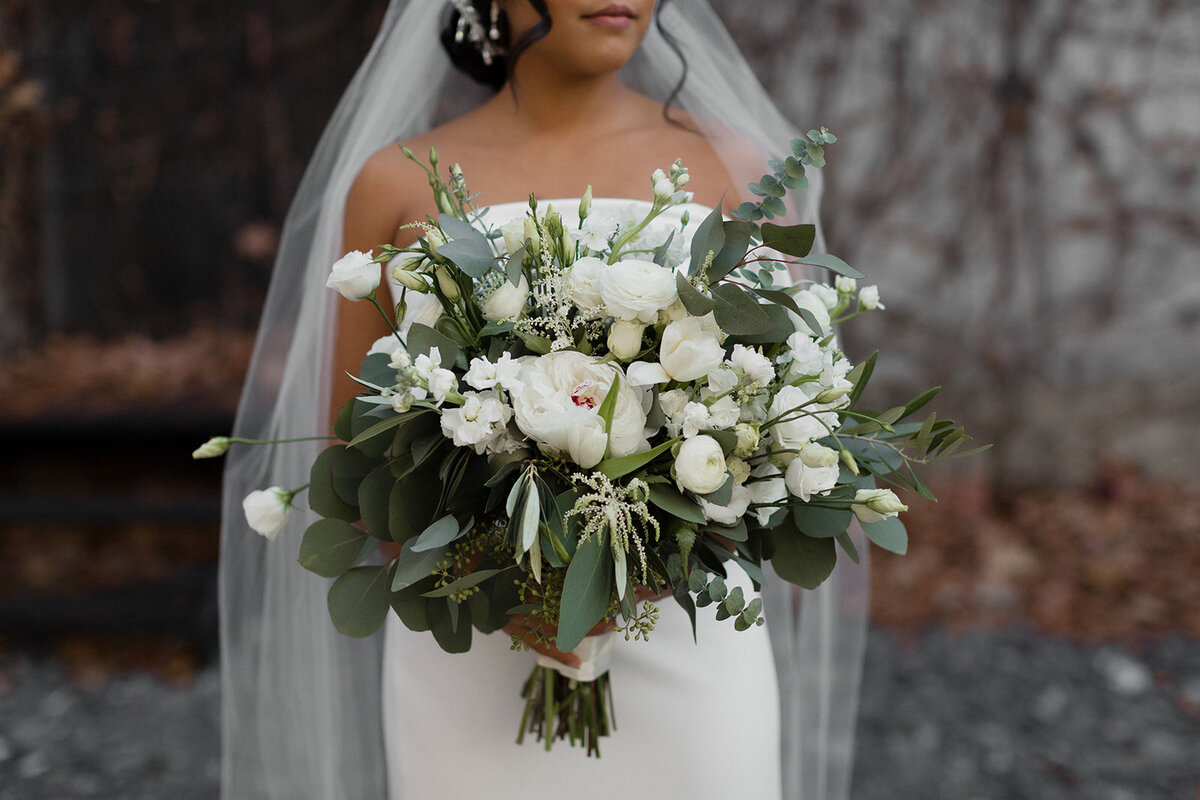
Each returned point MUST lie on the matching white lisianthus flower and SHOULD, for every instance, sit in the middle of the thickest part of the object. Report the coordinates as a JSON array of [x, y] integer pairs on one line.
[[768, 491], [874, 505], [583, 284], [559, 407], [730, 513], [724, 413], [637, 290], [515, 233], [753, 366], [354, 276], [826, 294], [868, 299], [798, 426], [845, 285], [700, 465], [423, 309], [504, 372], [814, 471], [690, 349], [625, 338], [507, 301], [267, 510], [477, 421]]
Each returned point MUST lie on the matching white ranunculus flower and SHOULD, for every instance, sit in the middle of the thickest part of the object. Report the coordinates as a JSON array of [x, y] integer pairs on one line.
[[700, 465], [874, 505], [559, 407], [477, 421], [355, 275], [814, 471], [636, 289], [868, 299], [625, 338], [583, 283], [690, 349], [767, 489], [507, 301], [754, 367], [267, 510], [728, 514], [798, 427]]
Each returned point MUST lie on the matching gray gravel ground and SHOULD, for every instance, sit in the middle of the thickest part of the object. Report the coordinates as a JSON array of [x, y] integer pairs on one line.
[[984, 715]]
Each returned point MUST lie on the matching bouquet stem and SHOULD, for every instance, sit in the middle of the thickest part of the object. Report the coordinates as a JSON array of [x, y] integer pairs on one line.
[[558, 707]]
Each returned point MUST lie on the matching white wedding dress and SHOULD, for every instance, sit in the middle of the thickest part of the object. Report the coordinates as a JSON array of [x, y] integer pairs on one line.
[[694, 719]]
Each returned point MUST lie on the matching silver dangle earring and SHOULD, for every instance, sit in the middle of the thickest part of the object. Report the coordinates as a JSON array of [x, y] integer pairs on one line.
[[494, 31], [471, 28]]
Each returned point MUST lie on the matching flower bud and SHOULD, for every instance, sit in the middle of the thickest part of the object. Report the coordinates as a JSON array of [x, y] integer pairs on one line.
[[433, 157], [585, 204], [410, 280], [836, 393], [846, 285], [435, 238], [267, 510], [448, 285], [213, 448], [874, 505], [868, 298], [506, 302], [625, 339]]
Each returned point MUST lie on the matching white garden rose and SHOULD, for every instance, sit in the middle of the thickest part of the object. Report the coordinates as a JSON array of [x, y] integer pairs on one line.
[[797, 426], [730, 513], [636, 289], [559, 407], [583, 283], [355, 275], [690, 349], [748, 439], [700, 465], [625, 338], [875, 505], [814, 471], [267, 510], [506, 302]]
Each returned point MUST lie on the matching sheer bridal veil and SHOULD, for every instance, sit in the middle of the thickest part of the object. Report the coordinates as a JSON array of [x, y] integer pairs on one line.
[[301, 702]]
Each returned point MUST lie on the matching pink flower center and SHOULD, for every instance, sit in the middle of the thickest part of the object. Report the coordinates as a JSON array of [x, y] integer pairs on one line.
[[583, 395]]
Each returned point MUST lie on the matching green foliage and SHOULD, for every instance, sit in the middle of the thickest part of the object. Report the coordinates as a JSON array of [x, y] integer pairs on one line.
[[586, 591], [358, 601], [331, 547], [321, 495], [800, 559], [890, 534]]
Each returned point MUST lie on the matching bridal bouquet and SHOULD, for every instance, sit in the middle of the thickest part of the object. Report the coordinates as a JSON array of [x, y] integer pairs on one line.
[[583, 416]]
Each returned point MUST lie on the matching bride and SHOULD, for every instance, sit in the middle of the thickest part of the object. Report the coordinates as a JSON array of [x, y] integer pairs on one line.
[[588, 92]]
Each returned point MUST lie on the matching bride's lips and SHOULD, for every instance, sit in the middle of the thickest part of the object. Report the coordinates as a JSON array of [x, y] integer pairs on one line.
[[614, 16]]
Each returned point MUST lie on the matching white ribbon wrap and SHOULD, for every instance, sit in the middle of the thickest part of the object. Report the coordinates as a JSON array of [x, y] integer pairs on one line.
[[595, 657]]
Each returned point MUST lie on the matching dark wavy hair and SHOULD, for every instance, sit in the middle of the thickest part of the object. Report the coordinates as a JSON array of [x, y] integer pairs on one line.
[[469, 59]]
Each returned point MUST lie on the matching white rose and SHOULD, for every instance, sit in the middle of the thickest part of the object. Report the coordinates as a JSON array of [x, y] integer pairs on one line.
[[798, 426], [873, 505], [635, 289], [355, 275], [728, 514], [506, 302], [690, 350], [814, 471], [267, 510], [768, 491], [558, 407], [700, 465], [476, 422], [868, 299], [583, 283], [625, 338]]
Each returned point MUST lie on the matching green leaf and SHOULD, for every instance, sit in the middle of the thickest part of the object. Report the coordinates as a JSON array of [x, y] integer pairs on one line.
[[833, 264], [920, 400], [412, 566], [748, 212], [696, 303], [709, 237], [816, 154], [358, 601], [439, 534], [341, 428], [468, 249], [466, 582], [734, 533], [330, 547], [376, 368], [670, 500], [784, 299], [792, 240], [374, 496], [452, 635], [422, 339], [860, 376], [614, 468], [350, 467], [608, 408], [587, 589], [737, 241], [781, 328], [321, 496], [820, 523], [738, 313], [802, 560], [774, 207], [847, 543], [410, 606], [531, 517], [723, 495], [889, 534], [378, 428]]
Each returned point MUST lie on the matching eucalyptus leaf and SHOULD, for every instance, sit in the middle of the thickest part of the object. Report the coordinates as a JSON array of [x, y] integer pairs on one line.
[[331, 547], [587, 588], [737, 312], [820, 523], [693, 300], [374, 497], [466, 582], [410, 606], [358, 601], [792, 240], [321, 496], [439, 534], [376, 368], [847, 543], [833, 264], [709, 237], [670, 500], [802, 560], [451, 625], [412, 566], [889, 534], [737, 242], [422, 339]]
